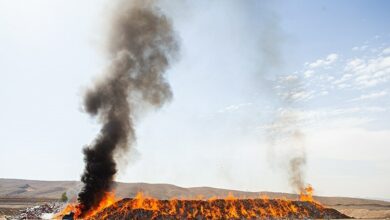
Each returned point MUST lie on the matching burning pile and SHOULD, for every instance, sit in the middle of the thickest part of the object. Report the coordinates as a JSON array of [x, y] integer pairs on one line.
[[141, 46], [142, 207]]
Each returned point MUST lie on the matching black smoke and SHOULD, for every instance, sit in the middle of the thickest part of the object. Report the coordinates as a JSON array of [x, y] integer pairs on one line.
[[141, 44]]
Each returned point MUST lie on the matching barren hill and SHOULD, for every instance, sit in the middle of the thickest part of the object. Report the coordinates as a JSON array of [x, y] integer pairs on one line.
[[31, 190]]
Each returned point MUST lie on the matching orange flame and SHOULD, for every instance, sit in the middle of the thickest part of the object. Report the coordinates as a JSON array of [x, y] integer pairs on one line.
[[228, 208], [307, 194], [108, 200], [213, 208]]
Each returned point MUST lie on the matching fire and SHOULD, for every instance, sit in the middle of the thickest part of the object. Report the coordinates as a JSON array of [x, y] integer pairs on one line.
[[228, 208], [144, 207], [68, 209], [108, 200], [213, 208], [307, 194]]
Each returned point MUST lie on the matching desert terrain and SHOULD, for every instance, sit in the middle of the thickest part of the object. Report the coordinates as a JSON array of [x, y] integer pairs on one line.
[[17, 194]]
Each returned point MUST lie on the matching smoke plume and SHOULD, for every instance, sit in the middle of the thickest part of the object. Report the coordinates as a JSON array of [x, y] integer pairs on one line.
[[285, 128], [286, 131], [141, 44]]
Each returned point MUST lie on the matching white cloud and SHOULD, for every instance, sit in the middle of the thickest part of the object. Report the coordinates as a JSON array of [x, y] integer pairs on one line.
[[354, 64], [233, 108], [345, 111], [386, 51], [361, 48], [308, 73], [288, 78], [336, 115], [373, 72], [366, 72], [376, 109], [330, 78], [343, 85], [291, 88], [349, 142], [297, 95], [331, 58], [329, 117], [373, 95]]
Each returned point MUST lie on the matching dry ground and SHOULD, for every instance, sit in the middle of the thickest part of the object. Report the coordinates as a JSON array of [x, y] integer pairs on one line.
[[12, 206], [19, 194]]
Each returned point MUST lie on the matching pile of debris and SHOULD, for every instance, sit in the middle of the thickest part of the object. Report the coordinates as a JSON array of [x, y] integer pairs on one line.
[[217, 209], [45, 211]]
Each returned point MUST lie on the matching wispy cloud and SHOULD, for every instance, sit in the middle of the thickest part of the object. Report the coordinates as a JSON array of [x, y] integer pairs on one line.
[[292, 89], [297, 95], [288, 78], [340, 88], [331, 58], [308, 73], [386, 51], [366, 71], [360, 48], [373, 95], [370, 72], [236, 107]]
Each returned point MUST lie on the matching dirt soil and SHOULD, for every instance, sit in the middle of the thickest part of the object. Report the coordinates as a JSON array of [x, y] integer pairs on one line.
[[16, 195]]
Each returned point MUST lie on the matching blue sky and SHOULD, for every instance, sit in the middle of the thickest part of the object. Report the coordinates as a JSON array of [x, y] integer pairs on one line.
[[238, 62]]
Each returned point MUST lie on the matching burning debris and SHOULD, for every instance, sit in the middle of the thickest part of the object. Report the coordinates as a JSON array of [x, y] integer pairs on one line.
[[142, 207], [141, 44], [140, 47], [230, 208]]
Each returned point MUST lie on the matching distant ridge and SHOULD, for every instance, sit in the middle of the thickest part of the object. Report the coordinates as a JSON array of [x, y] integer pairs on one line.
[[19, 188]]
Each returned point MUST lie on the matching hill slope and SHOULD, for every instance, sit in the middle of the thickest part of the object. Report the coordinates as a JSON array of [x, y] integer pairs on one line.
[[33, 189]]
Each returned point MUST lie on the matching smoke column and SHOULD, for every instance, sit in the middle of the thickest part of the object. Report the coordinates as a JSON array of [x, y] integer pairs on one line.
[[285, 131], [141, 44]]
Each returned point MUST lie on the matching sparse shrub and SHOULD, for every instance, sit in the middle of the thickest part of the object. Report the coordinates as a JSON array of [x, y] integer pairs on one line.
[[64, 197]]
